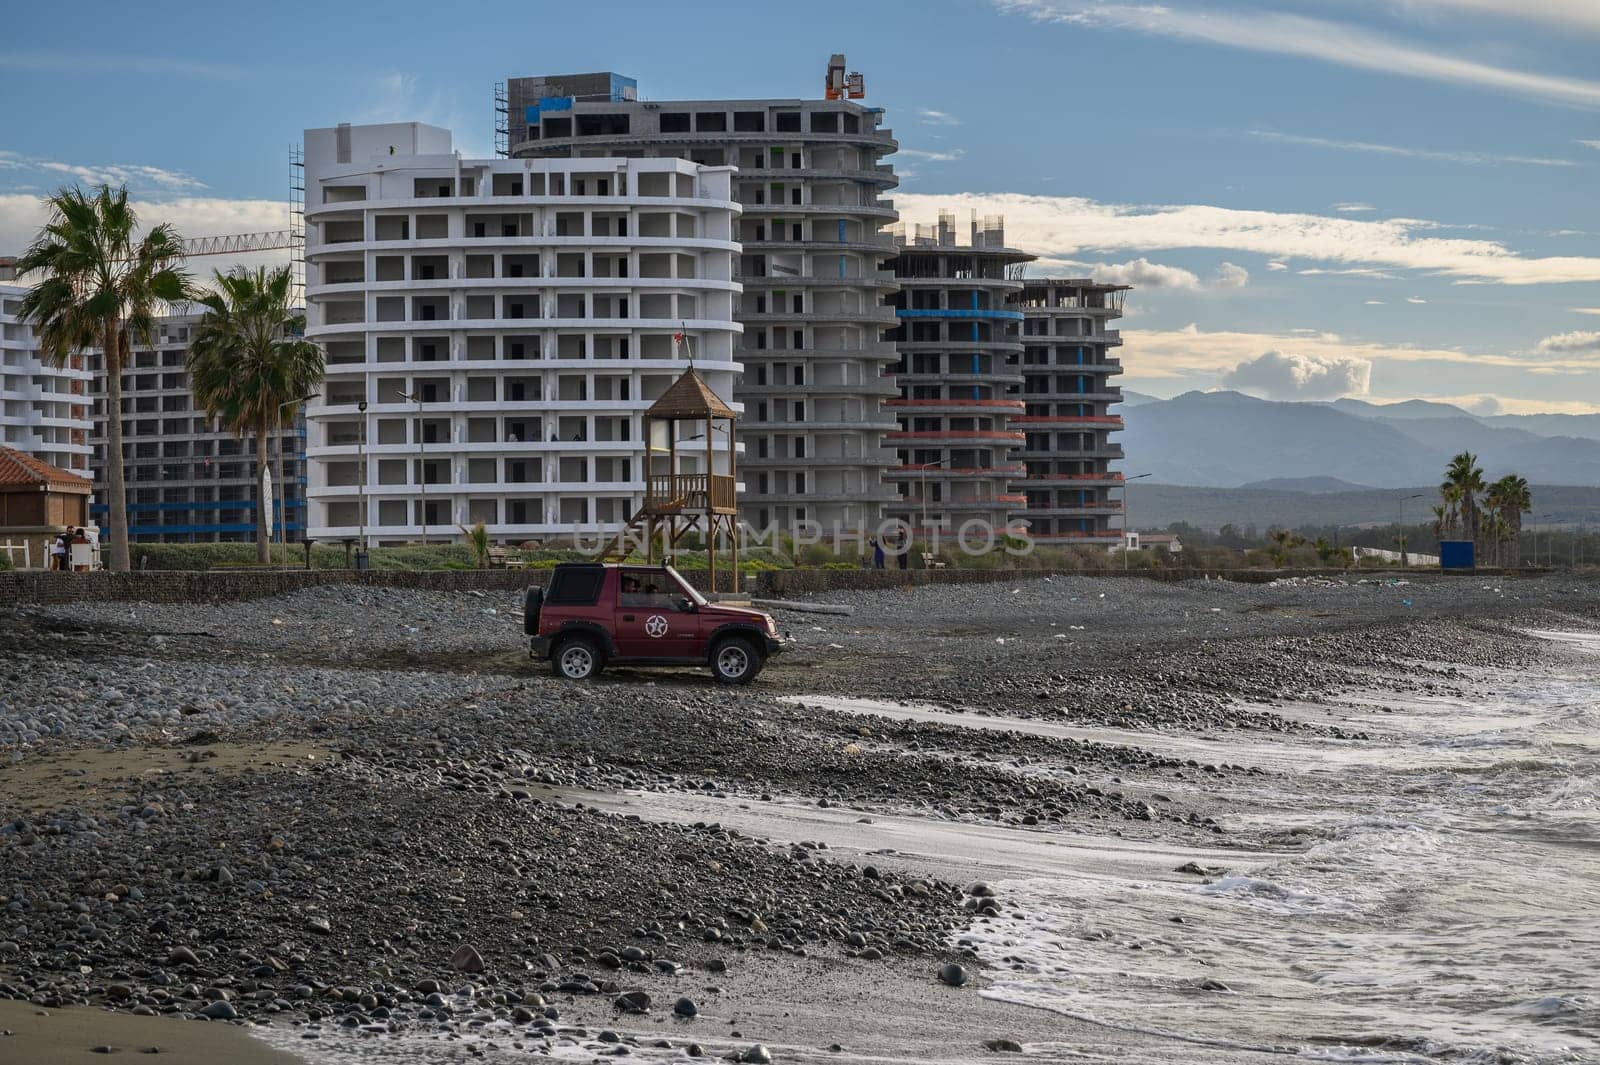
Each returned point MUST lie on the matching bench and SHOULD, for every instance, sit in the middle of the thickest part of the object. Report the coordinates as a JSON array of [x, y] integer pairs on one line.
[[507, 558], [931, 561]]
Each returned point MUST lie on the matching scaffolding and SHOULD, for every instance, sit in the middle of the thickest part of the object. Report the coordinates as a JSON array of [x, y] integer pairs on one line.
[[297, 224], [502, 121]]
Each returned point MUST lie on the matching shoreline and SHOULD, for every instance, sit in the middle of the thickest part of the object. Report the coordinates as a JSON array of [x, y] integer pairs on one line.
[[799, 854]]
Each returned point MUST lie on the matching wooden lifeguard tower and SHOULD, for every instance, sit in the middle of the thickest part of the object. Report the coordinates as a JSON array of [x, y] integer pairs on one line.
[[676, 501]]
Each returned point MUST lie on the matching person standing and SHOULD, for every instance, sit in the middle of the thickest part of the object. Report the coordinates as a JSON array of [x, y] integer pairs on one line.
[[58, 552], [877, 554]]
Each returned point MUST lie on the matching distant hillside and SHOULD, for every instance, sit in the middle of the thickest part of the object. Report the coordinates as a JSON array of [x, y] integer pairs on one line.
[[1227, 438], [1311, 485], [1155, 506], [1234, 440], [1409, 409]]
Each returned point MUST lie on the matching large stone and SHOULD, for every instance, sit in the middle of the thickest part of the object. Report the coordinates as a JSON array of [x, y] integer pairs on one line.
[[466, 959]]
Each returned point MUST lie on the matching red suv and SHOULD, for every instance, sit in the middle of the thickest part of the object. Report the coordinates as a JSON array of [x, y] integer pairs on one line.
[[592, 615]]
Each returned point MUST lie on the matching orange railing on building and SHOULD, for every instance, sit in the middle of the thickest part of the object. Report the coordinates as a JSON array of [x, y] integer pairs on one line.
[[1004, 404], [965, 434], [1095, 419]]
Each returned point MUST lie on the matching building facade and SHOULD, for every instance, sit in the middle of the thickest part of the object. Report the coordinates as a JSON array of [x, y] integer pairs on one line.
[[495, 328], [44, 409], [960, 343], [1067, 367], [188, 479], [813, 266]]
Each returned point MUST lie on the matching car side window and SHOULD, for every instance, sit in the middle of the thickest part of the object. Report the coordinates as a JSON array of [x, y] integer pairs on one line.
[[646, 591], [576, 587]]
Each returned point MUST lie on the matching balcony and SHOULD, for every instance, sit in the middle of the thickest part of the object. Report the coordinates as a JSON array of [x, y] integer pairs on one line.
[[676, 493]]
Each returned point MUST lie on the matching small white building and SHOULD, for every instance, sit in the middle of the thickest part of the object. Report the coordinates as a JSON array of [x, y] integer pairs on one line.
[[1133, 540], [495, 328]]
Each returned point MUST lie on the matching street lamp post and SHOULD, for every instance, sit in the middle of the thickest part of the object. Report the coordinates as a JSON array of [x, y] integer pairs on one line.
[[1127, 544], [1403, 560], [361, 483], [283, 487], [422, 457]]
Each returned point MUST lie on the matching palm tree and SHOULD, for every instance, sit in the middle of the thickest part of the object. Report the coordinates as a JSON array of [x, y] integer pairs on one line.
[[1326, 552], [99, 286], [1449, 513], [249, 366], [478, 541], [1280, 543], [1441, 522], [1512, 499], [1466, 477]]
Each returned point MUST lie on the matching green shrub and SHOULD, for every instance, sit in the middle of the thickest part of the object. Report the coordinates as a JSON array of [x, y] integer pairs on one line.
[[5, 561]]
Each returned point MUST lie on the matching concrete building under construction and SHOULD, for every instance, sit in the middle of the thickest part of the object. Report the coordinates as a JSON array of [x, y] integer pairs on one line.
[[960, 344], [1066, 369], [810, 181]]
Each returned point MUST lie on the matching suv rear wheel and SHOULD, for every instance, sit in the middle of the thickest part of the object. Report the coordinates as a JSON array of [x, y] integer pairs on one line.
[[735, 660], [577, 658]]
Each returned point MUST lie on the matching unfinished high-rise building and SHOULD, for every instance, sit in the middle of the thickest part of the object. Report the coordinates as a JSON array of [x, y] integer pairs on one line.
[[810, 180], [1066, 370], [960, 341]]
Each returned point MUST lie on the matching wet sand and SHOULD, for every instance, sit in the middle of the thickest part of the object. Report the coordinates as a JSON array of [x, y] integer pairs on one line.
[[33, 1036]]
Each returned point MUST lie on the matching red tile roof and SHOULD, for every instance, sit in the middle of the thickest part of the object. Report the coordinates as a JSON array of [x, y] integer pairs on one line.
[[19, 470]]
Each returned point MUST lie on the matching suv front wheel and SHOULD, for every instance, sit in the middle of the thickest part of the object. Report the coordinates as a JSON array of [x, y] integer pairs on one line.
[[735, 660], [576, 658]]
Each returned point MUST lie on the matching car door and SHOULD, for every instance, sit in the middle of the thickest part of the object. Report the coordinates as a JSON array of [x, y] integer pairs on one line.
[[650, 625]]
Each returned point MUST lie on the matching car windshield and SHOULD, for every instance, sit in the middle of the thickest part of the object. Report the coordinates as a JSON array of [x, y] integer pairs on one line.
[[688, 589]]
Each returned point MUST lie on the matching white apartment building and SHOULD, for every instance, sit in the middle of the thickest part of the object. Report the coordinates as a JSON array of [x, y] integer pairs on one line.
[[44, 409], [495, 328]]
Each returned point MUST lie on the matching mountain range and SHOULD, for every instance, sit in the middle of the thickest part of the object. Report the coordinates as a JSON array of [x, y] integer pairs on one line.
[[1229, 439]]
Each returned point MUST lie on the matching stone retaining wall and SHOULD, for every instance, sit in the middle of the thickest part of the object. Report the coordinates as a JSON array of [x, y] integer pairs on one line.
[[177, 586]]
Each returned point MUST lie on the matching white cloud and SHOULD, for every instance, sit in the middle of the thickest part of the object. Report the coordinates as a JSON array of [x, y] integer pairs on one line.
[[1280, 375], [136, 176], [1415, 299], [1231, 276], [1355, 271], [1374, 303], [1353, 208], [1065, 226], [1309, 38], [1188, 353], [1581, 342], [1433, 155], [1562, 14], [1585, 310], [1275, 265], [1591, 144], [929, 117], [932, 157], [1142, 273], [1485, 406]]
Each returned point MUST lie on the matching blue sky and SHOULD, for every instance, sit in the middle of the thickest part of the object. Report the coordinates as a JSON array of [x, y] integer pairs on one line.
[[1390, 198]]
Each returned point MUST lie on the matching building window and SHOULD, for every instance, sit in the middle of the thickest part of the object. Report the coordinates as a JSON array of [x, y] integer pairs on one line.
[[787, 122], [602, 125], [675, 122], [824, 122], [749, 122], [711, 121]]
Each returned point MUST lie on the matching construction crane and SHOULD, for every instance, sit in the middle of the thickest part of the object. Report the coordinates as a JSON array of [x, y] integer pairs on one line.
[[238, 243]]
